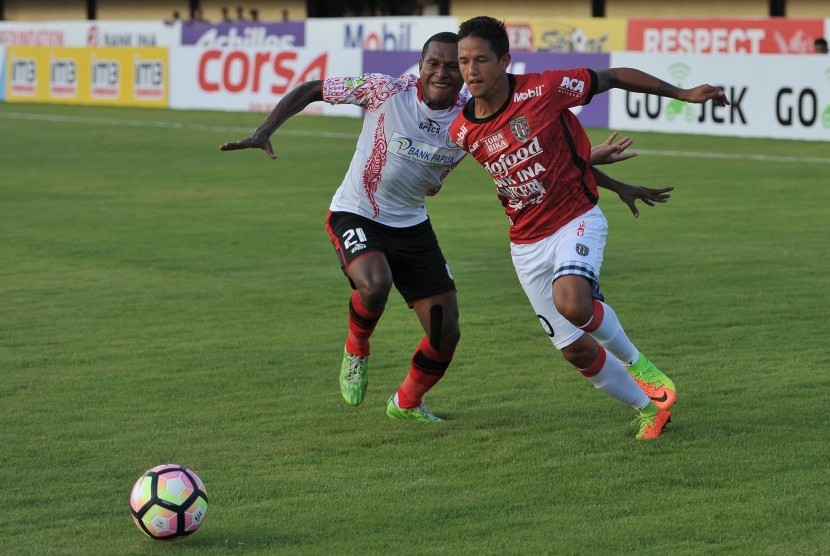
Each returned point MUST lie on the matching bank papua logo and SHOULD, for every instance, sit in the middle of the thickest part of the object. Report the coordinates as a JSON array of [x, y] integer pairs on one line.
[[423, 153], [677, 108]]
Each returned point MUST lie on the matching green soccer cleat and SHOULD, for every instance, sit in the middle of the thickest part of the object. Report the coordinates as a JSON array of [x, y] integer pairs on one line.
[[354, 377], [421, 413], [651, 422], [657, 386]]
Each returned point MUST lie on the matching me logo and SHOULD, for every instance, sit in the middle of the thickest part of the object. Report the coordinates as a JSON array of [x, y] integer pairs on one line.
[[680, 73], [148, 82], [63, 77], [389, 37], [23, 76], [105, 77], [572, 87], [430, 126], [530, 93]]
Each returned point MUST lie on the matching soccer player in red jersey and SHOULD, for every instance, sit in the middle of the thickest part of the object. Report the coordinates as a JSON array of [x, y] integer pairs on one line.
[[378, 222], [520, 129]]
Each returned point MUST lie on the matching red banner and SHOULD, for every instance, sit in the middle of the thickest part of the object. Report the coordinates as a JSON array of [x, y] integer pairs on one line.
[[724, 36]]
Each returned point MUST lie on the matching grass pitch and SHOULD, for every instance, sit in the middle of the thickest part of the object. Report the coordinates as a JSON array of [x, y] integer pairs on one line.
[[161, 301]]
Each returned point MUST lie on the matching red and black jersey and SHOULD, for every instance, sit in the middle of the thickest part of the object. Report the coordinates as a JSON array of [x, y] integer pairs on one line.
[[536, 150]]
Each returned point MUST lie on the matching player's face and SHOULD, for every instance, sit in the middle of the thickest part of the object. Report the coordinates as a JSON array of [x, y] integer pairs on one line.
[[440, 76], [483, 71]]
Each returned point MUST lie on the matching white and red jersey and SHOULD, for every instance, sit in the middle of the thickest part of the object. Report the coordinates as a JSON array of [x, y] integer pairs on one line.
[[403, 153], [536, 151]]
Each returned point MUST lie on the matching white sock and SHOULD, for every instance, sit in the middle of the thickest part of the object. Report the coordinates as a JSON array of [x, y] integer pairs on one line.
[[608, 374], [605, 328]]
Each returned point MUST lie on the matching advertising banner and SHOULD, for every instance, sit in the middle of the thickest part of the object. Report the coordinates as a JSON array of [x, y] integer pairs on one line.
[[255, 79], [567, 35], [594, 114], [116, 76], [724, 36], [795, 107], [376, 33], [244, 35], [2, 72], [89, 33]]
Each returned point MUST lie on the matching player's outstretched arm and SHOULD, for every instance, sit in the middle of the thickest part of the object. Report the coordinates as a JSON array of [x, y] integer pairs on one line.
[[637, 81], [629, 193], [609, 152], [291, 104]]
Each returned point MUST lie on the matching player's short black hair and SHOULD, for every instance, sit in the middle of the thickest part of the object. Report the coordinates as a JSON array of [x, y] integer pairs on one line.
[[821, 41], [445, 37], [490, 29]]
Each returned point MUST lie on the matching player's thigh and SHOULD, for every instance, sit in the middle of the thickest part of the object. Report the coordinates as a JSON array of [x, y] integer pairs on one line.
[[580, 246], [535, 268], [418, 266], [361, 246]]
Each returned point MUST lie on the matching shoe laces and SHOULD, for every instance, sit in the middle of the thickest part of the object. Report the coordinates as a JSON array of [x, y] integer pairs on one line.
[[424, 410], [643, 421], [357, 367], [649, 375]]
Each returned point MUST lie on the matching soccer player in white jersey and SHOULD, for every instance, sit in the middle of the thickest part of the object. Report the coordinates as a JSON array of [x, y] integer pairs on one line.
[[378, 222], [520, 128]]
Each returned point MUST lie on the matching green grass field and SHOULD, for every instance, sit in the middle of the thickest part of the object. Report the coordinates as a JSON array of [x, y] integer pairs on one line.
[[162, 301]]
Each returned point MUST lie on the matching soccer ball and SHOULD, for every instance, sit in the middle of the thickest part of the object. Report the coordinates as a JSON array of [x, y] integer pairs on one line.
[[169, 502]]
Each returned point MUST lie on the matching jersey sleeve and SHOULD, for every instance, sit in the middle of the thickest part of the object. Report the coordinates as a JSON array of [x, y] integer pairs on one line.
[[369, 90], [571, 87]]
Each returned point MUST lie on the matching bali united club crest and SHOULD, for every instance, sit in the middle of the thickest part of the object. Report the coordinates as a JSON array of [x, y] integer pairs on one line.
[[520, 128]]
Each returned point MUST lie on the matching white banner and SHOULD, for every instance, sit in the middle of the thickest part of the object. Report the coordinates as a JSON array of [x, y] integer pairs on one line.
[[781, 96], [102, 33], [254, 80], [376, 33], [2, 72]]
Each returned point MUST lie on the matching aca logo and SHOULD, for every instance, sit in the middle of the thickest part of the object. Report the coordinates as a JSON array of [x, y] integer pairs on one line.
[[23, 76], [148, 79], [63, 77], [105, 78]]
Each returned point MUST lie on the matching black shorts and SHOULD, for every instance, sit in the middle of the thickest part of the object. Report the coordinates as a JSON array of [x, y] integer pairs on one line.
[[419, 269]]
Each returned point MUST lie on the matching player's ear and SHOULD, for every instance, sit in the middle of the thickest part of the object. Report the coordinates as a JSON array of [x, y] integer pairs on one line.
[[505, 60]]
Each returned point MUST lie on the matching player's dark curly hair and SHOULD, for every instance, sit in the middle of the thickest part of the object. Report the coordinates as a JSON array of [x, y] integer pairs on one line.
[[445, 37], [487, 28]]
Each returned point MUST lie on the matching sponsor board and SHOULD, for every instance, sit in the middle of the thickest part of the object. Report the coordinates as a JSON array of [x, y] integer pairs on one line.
[[724, 36], [563, 35], [376, 33], [117, 76], [594, 114], [244, 35], [130, 34], [253, 79], [2, 72], [778, 96]]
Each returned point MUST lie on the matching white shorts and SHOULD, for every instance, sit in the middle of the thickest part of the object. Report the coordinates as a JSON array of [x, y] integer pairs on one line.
[[576, 248]]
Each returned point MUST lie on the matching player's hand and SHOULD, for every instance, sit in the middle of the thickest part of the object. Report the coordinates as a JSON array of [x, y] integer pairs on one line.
[[632, 193], [252, 142], [702, 93], [609, 152]]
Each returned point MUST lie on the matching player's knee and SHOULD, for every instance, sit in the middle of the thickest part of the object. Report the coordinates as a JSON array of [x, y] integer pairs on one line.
[[450, 336], [374, 294], [581, 353], [577, 311], [445, 331]]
